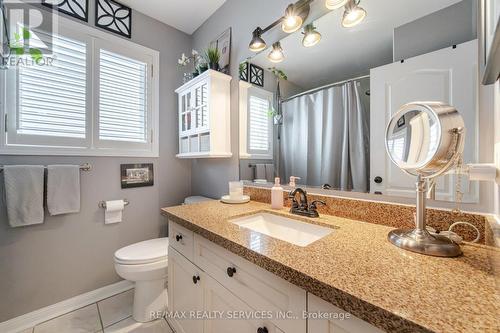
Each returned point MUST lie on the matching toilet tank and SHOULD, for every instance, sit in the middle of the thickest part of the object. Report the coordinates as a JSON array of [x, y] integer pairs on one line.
[[196, 199]]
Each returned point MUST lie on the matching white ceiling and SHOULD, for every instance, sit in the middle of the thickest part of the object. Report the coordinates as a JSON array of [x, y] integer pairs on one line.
[[345, 53], [185, 15]]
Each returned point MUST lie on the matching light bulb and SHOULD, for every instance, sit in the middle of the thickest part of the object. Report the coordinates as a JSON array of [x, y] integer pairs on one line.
[[257, 44], [353, 15], [292, 21], [335, 4], [311, 36], [276, 55]]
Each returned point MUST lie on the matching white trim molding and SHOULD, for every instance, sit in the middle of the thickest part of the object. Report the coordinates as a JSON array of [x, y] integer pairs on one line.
[[36, 317]]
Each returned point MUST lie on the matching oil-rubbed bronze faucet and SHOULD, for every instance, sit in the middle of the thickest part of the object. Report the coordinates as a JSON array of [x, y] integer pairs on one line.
[[304, 209]]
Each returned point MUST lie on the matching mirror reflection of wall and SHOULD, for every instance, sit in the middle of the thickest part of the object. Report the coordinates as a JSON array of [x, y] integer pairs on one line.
[[325, 121]]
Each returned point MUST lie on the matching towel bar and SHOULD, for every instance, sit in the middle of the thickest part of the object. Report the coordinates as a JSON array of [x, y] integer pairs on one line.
[[102, 204], [83, 167]]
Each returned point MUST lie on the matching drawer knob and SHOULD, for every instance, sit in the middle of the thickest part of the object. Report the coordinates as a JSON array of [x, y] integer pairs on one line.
[[196, 278], [231, 271], [262, 330], [178, 238]]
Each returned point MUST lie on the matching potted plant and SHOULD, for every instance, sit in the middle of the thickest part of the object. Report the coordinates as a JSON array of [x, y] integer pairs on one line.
[[212, 57]]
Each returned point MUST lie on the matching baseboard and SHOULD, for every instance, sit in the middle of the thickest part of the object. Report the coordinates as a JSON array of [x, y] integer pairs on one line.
[[36, 317]]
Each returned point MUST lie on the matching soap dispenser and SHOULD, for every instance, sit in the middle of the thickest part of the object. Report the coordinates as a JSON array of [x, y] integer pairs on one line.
[[277, 195], [293, 180]]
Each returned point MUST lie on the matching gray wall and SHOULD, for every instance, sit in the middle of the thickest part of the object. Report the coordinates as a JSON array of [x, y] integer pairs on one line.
[[73, 254], [210, 177], [429, 34]]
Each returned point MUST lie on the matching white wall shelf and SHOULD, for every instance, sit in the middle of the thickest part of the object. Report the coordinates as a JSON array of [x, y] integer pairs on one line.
[[204, 116]]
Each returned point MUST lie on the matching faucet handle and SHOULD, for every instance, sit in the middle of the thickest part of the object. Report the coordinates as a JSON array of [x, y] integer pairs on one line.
[[314, 204]]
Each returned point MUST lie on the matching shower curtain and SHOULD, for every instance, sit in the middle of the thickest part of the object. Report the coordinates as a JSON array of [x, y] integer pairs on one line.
[[325, 139]]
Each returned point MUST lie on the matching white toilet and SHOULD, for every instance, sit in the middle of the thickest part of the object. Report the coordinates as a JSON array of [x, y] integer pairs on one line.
[[145, 263]]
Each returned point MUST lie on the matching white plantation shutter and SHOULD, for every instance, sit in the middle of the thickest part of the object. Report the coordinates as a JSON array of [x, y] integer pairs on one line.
[[52, 99], [123, 110], [98, 98], [259, 123]]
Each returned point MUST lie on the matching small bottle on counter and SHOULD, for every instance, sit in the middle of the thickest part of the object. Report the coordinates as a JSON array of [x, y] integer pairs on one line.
[[277, 195]]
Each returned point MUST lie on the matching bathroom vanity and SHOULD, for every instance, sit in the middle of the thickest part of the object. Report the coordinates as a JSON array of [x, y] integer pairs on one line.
[[348, 279]]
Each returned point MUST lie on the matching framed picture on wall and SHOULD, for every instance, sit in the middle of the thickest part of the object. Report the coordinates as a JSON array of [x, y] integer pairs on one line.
[[137, 175], [223, 44]]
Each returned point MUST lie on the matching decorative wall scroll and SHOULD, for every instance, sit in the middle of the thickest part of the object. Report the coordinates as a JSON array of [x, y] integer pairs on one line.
[[76, 8], [114, 17], [256, 75]]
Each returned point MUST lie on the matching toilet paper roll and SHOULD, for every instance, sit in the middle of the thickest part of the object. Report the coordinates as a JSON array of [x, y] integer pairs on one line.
[[113, 212]]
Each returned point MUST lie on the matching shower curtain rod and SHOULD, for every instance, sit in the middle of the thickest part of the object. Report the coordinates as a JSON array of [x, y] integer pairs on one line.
[[324, 87]]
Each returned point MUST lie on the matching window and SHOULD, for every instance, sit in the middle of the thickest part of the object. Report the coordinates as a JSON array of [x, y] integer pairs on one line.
[[99, 97], [260, 124]]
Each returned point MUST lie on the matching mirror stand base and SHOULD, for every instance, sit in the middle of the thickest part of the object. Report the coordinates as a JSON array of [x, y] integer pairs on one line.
[[421, 241]]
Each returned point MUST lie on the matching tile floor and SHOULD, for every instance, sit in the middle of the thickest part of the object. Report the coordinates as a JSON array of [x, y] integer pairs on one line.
[[111, 315]]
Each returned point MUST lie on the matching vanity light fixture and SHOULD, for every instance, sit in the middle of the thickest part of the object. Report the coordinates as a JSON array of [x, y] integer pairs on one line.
[[353, 14], [276, 55], [257, 44], [335, 4], [294, 17], [311, 36]]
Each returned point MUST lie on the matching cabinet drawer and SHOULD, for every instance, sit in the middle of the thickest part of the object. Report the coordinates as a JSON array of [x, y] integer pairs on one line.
[[181, 239], [257, 287]]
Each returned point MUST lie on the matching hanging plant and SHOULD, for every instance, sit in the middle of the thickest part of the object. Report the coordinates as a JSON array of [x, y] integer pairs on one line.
[[278, 73]]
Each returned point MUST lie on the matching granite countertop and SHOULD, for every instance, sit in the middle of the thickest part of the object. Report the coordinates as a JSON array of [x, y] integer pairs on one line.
[[358, 270]]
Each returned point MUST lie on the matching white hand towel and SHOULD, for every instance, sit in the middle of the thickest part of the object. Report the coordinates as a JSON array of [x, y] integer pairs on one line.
[[270, 173], [63, 189], [260, 171], [24, 194]]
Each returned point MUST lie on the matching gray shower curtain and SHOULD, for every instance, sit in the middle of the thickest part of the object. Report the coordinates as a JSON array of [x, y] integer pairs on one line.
[[325, 139]]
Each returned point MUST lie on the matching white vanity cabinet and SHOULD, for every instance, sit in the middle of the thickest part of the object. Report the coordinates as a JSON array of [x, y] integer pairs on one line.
[[238, 295], [204, 116]]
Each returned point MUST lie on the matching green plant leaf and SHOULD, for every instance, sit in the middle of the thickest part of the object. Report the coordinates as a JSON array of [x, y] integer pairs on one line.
[[36, 55], [26, 33], [17, 37], [17, 50]]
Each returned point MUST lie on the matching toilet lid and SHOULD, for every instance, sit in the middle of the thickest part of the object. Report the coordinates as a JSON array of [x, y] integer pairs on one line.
[[143, 252]]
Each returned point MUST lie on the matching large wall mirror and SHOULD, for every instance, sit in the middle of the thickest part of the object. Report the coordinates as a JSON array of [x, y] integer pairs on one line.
[[322, 106]]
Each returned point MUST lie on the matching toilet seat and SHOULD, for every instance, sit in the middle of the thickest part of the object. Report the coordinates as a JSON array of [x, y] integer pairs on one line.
[[146, 252]]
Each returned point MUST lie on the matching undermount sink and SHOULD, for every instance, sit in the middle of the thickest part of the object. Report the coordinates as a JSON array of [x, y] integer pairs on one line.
[[283, 228]]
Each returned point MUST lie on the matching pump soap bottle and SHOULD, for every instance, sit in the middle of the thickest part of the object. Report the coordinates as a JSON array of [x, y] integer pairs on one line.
[[277, 195]]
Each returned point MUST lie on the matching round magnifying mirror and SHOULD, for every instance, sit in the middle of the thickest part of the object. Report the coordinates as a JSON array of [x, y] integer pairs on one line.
[[425, 139]]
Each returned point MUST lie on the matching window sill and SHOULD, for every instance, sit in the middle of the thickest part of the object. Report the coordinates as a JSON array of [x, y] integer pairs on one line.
[[61, 151]]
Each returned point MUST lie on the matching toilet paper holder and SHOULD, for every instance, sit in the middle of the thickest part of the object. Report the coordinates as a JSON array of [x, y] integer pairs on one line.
[[102, 204]]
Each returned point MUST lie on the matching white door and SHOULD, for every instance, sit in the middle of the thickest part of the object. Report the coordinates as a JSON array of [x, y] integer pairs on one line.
[[339, 321], [449, 75], [185, 293], [230, 314]]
